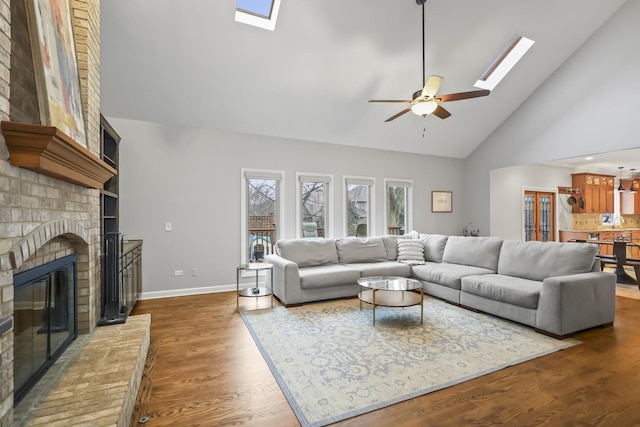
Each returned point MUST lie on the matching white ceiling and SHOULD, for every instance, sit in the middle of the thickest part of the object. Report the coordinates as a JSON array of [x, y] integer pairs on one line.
[[189, 63], [608, 162]]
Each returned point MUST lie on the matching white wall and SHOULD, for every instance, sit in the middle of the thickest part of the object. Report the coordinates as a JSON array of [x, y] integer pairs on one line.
[[191, 178], [507, 186], [588, 106]]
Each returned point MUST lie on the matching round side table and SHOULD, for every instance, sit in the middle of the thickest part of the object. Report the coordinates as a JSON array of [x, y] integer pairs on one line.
[[255, 291]]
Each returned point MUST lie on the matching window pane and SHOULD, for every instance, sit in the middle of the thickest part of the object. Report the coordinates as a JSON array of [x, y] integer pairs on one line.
[[396, 210], [256, 7], [263, 216], [357, 210], [313, 208]]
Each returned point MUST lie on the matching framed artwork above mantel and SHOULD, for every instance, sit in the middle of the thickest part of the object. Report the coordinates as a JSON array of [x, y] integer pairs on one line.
[[441, 201], [56, 67]]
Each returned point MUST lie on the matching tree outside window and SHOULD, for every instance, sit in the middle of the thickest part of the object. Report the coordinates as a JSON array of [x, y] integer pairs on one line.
[[262, 213], [313, 205], [358, 209], [396, 209]]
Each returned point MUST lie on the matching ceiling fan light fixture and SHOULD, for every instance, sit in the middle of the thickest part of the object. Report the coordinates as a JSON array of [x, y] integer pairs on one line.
[[424, 108]]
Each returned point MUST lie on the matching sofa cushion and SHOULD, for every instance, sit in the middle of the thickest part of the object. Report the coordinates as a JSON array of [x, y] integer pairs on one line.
[[446, 274], [353, 250], [327, 275], [540, 260], [433, 246], [390, 242], [476, 251], [507, 289], [384, 268], [411, 252], [308, 253]]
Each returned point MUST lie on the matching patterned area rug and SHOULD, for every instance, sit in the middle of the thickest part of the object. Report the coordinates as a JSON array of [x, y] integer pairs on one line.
[[332, 364]]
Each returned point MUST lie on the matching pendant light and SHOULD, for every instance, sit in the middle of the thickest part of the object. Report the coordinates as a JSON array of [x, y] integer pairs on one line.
[[620, 187], [633, 188]]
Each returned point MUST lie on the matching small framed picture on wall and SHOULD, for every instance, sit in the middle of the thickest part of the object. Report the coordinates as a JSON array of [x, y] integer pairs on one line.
[[441, 201]]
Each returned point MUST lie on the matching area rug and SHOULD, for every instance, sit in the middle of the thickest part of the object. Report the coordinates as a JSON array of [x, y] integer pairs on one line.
[[332, 364]]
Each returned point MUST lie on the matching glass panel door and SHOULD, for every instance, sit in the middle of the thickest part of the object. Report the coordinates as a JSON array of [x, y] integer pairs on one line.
[[263, 216], [544, 205], [30, 342], [529, 216], [539, 216]]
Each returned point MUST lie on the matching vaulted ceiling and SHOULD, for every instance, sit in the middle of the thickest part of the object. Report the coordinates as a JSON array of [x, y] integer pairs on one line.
[[189, 63]]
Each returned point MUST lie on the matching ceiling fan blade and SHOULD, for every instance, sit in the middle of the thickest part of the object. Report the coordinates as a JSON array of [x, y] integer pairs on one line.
[[441, 112], [464, 95], [404, 101], [431, 86], [406, 110]]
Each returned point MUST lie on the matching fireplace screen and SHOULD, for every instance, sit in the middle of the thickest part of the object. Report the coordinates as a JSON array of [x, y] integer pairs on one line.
[[45, 319]]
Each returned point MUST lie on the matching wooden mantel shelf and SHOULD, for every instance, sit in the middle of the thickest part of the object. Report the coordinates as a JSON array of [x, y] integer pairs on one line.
[[49, 151]]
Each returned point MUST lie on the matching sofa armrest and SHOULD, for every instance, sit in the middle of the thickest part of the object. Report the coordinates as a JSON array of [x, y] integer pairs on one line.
[[575, 302], [286, 280]]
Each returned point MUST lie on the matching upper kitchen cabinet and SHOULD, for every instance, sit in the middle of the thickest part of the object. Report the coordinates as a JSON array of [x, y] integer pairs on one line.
[[629, 202], [597, 192]]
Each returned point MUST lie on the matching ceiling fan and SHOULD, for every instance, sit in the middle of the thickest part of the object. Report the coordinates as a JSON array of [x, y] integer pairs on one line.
[[424, 101]]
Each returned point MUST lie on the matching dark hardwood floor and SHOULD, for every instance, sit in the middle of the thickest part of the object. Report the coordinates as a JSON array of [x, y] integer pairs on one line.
[[204, 369]]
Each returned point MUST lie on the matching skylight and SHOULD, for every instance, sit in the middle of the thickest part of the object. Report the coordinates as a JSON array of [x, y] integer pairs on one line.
[[505, 61], [259, 13]]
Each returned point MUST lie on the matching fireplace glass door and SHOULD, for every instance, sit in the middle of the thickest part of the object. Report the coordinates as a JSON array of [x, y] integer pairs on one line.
[[45, 320]]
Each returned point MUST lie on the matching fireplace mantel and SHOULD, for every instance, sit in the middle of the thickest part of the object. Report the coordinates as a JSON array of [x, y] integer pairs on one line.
[[49, 151]]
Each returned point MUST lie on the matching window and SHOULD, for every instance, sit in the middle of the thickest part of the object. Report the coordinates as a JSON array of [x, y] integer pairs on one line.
[[259, 13], [312, 207], [261, 207], [398, 203], [358, 206], [504, 62]]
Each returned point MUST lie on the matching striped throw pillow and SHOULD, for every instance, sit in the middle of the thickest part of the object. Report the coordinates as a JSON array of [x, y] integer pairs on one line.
[[410, 252]]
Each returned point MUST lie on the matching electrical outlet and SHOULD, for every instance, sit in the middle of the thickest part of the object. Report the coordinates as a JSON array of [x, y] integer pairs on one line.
[[194, 271], [168, 226], [178, 273]]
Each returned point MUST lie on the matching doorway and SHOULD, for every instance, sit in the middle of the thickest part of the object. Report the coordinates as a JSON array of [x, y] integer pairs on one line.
[[539, 216]]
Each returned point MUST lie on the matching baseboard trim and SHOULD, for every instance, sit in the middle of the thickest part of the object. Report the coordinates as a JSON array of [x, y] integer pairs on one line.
[[187, 291]]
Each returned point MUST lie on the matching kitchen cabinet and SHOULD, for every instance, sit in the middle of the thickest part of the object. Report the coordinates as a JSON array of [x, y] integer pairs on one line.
[[597, 192], [606, 249]]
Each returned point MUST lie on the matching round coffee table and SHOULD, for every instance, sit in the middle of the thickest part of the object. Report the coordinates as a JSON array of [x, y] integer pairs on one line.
[[391, 291]]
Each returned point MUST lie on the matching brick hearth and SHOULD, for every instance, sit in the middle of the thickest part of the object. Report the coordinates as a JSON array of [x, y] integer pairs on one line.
[[94, 383]]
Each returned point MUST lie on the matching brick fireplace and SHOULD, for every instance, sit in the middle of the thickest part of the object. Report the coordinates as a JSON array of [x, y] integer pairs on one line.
[[44, 218]]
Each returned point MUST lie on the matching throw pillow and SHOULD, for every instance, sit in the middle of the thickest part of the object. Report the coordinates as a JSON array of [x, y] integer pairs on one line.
[[411, 252]]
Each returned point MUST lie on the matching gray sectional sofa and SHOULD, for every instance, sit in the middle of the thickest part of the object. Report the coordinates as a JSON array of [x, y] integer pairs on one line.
[[557, 288]]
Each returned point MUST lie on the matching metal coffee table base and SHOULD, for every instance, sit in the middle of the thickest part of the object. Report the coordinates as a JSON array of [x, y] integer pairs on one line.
[[377, 297]]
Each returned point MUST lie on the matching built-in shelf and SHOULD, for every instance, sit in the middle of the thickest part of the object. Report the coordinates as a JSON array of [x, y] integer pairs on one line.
[[108, 193], [49, 151]]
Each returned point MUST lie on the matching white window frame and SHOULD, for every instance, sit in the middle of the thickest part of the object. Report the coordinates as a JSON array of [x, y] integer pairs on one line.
[[245, 174], [360, 180], [259, 21], [328, 208], [408, 208]]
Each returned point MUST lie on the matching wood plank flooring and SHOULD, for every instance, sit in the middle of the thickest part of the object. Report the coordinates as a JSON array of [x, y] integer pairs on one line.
[[205, 370]]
